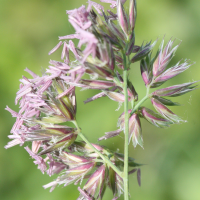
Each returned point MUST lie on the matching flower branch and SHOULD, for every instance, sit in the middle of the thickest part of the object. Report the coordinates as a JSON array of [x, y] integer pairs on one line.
[[105, 159]]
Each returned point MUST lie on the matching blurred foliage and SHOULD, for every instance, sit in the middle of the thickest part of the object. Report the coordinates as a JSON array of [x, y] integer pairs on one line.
[[29, 29]]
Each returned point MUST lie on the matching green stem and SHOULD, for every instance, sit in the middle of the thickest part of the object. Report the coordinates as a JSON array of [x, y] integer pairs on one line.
[[141, 102], [126, 130], [106, 160]]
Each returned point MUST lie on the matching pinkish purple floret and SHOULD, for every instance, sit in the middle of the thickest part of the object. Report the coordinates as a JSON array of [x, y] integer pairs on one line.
[[164, 58], [38, 160], [123, 22], [97, 6], [113, 3], [173, 71]]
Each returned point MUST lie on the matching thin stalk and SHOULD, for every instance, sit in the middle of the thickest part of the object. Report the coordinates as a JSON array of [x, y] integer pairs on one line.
[[126, 130], [141, 101], [106, 160]]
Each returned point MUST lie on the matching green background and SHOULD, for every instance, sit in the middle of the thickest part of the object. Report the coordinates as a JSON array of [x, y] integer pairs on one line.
[[29, 29]]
